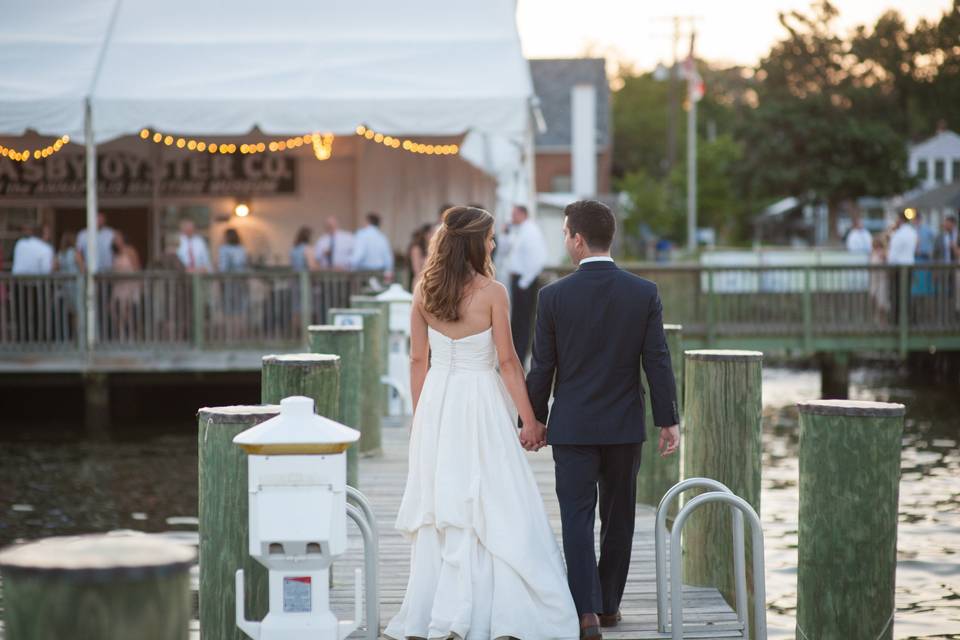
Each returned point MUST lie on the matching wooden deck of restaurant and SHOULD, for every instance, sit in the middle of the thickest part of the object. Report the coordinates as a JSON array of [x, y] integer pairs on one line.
[[382, 480]]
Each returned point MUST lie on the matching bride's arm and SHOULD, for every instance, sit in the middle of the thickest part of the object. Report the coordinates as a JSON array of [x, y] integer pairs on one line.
[[510, 368], [419, 349]]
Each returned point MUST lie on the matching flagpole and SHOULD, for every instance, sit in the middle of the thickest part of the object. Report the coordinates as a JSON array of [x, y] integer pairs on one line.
[[691, 152]]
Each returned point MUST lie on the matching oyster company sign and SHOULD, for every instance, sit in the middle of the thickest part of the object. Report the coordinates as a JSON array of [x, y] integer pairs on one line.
[[124, 174]]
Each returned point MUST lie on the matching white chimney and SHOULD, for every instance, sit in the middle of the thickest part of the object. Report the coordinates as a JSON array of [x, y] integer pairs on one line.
[[583, 103]]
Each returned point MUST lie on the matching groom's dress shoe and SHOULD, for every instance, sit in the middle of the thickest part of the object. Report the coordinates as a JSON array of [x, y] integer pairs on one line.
[[610, 619], [590, 627]]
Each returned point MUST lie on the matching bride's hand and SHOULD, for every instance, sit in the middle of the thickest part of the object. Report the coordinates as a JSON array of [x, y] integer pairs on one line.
[[533, 435]]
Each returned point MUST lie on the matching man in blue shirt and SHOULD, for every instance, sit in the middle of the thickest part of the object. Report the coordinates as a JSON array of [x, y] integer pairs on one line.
[[371, 249]]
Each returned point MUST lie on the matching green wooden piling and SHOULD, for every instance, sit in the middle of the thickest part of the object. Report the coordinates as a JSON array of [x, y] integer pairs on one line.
[[658, 474], [370, 302], [346, 342], [849, 488], [372, 388], [314, 375], [224, 522], [107, 587], [721, 409]]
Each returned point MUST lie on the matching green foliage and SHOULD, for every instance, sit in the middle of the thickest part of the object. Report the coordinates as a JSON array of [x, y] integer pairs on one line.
[[824, 116]]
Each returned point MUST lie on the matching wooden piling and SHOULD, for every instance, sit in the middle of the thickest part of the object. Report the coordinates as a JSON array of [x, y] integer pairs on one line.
[[849, 489], [224, 522], [657, 474], [103, 586], [371, 386], [346, 342], [370, 302], [314, 375], [722, 428]]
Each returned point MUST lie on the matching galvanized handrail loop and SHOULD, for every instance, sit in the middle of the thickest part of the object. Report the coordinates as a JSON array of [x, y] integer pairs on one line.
[[759, 583], [371, 578], [660, 554]]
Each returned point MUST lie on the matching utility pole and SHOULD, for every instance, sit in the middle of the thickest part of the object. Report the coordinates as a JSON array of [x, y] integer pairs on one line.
[[673, 106], [692, 98]]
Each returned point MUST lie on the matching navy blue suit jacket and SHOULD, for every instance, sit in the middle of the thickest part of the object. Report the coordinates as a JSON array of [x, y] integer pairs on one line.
[[595, 328]]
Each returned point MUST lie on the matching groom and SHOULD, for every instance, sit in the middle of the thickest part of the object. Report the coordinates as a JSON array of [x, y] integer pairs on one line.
[[594, 330]]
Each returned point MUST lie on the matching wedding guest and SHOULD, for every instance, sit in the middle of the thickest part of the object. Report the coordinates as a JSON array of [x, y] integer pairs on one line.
[[901, 251], [31, 255], [233, 259], [104, 243], [525, 262], [126, 292], [926, 237], [301, 255], [371, 249], [859, 239], [232, 256], [417, 252], [69, 261], [879, 282], [335, 247], [192, 249]]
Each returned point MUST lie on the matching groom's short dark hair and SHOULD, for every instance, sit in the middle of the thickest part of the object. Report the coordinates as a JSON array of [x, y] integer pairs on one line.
[[594, 221]]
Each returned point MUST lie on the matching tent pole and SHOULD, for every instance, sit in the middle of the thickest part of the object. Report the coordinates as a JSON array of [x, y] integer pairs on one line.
[[91, 157]]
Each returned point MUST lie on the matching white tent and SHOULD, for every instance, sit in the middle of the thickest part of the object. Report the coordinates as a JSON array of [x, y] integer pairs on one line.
[[100, 69]]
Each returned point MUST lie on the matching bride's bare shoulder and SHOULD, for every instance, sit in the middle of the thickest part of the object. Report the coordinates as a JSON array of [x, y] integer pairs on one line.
[[490, 287]]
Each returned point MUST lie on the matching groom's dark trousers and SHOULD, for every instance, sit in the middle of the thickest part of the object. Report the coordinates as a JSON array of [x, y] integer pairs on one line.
[[594, 330]]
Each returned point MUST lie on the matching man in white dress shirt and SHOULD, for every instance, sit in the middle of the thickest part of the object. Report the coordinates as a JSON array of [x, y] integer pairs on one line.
[[334, 249], [859, 239], [104, 244], [902, 251], [192, 250], [371, 249], [31, 255], [525, 262]]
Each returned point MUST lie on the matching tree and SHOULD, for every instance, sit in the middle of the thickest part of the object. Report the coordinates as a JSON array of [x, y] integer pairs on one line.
[[808, 135]]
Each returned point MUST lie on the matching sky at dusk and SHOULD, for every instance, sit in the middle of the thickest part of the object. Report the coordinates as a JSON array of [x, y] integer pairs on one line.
[[737, 31]]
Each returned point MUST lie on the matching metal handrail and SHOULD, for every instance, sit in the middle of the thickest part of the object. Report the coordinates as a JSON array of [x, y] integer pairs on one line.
[[660, 553], [759, 582], [371, 563]]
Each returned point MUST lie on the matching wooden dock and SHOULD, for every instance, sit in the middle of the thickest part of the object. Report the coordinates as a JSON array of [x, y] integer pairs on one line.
[[382, 480]]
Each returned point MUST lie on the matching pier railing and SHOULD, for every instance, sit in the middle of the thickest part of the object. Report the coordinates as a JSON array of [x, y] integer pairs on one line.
[[799, 308], [151, 310], [811, 308]]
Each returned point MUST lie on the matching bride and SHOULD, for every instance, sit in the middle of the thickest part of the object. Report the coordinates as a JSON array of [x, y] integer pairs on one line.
[[484, 562]]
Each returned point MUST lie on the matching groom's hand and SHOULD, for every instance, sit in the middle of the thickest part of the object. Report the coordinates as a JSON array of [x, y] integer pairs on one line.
[[669, 440]]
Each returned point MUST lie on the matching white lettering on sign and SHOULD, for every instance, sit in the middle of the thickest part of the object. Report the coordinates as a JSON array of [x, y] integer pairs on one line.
[[296, 595]]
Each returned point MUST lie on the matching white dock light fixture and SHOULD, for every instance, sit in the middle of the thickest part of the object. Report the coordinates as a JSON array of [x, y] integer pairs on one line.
[[242, 210], [297, 481]]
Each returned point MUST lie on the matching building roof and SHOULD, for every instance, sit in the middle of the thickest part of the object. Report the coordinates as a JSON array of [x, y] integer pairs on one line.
[[943, 197], [553, 80], [942, 144]]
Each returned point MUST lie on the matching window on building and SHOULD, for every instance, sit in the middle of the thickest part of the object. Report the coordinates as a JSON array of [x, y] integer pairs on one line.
[[922, 169], [955, 173], [939, 170]]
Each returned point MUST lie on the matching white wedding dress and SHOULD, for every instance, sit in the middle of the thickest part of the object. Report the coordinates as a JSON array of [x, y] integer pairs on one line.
[[484, 561]]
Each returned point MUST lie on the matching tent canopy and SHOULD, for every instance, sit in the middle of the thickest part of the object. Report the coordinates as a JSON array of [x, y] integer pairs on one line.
[[190, 67]]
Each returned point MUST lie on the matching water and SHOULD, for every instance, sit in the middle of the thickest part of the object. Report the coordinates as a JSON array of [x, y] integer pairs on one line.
[[52, 482]]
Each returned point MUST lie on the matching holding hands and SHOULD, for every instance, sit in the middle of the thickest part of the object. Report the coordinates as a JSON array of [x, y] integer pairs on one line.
[[533, 435]]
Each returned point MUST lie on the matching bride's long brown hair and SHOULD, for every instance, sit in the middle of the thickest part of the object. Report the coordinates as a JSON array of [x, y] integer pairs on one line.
[[457, 251]]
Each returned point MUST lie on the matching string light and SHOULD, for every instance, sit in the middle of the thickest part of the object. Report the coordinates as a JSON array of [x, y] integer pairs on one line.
[[407, 145], [322, 144], [36, 154]]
